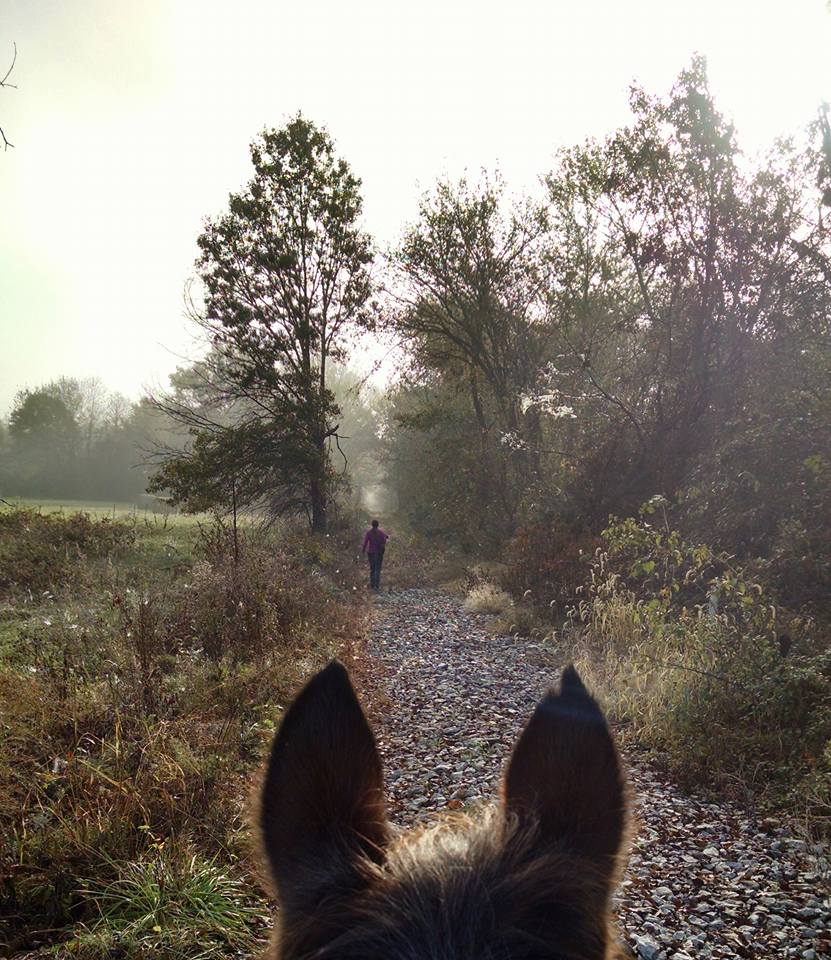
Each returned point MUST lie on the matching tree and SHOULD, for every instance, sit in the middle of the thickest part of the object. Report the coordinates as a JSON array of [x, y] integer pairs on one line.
[[42, 416], [44, 439], [286, 279], [472, 282], [707, 271], [435, 474], [662, 326], [73, 438], [87, 400], [824, 173], [359, 458]]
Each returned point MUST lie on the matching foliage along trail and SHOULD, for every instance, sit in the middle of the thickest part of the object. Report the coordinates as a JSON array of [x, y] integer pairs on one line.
[[704, 880]]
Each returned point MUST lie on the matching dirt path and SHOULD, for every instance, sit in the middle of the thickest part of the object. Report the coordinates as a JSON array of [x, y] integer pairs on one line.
[[704, 880]]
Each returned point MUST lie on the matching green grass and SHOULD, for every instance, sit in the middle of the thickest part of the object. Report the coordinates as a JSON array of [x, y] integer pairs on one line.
[[175, 905], [157, 514]]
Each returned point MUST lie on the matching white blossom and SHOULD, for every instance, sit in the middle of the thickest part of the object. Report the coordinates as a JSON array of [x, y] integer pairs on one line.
[[513, 441], [563, 412]]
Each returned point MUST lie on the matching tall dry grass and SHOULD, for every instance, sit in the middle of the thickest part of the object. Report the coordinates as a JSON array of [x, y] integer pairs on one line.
[[138, 693]]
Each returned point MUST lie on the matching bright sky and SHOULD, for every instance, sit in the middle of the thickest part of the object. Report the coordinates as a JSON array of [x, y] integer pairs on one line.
[[132, 120]]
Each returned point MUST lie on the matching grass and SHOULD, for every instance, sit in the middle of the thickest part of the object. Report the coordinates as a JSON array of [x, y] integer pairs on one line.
[[718, 712], [173, 904], [156, 513], [714, 696], [142, 674]]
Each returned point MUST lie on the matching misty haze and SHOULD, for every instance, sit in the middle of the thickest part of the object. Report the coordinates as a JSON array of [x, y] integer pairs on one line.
[[415, 480]]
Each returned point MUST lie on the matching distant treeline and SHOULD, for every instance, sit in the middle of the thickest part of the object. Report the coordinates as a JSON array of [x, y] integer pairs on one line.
[[74, 439]]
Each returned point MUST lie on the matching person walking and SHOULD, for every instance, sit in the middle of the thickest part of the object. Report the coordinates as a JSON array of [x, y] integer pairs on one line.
[[375, 540]]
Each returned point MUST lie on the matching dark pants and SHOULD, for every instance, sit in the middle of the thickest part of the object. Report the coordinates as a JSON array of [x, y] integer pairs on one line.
[[375, 561]]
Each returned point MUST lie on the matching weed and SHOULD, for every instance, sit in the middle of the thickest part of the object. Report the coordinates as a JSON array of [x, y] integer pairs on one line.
[[40, 551], [136, 697], [686, 648]]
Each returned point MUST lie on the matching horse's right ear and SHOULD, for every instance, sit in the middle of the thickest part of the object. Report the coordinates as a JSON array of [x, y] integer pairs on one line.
[[322, 812], [565, 778]]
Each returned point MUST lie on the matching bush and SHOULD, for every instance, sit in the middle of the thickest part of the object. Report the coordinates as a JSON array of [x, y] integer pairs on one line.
[[546, 565], [687, 650], [239, 608]]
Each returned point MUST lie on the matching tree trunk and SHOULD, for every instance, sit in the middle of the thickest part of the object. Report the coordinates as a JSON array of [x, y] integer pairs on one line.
[[532, 431], [318, 483], [483, 477], [317, 495]]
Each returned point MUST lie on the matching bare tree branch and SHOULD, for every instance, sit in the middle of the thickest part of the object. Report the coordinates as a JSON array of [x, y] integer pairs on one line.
[[5, 83]]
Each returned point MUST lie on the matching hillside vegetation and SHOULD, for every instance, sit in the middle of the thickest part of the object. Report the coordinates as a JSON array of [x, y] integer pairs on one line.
[[143, 668]]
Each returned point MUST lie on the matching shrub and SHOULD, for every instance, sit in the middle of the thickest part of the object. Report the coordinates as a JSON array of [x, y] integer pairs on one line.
[[41, 551], [241, 608], [686, 649], [546, 565]]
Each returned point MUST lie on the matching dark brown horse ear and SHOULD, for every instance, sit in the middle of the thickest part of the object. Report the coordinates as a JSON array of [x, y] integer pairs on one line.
[[565, 776], [322, 814]]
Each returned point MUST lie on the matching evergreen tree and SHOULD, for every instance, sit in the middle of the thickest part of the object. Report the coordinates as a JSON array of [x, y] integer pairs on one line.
[[286, 279]]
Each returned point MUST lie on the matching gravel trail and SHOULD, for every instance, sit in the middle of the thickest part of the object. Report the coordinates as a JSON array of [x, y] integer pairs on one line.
[[704, 880]]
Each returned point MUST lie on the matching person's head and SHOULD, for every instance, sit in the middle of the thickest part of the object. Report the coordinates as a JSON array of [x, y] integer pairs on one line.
[[375, 523]]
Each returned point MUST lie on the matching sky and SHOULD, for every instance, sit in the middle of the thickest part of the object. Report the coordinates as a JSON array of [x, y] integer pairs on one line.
[[131, 121]]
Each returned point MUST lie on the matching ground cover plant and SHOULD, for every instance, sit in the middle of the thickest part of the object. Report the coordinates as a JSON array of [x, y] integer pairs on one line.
[[143, 666], [40, 550], [486, 597], [706, 667]]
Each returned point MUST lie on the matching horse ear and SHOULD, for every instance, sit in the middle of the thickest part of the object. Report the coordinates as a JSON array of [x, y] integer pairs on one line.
[[322, 812], [565, 776]]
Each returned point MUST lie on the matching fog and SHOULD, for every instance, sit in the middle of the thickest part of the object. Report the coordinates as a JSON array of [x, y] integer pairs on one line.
[[130, 123]]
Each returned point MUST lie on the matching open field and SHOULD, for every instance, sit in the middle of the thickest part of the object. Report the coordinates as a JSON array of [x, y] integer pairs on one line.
[[157, 512]]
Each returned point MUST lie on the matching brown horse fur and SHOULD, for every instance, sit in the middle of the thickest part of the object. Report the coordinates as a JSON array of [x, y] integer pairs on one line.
[[530, 880]]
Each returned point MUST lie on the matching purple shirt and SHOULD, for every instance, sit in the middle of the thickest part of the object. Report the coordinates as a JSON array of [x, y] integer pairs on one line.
[[374, 540]]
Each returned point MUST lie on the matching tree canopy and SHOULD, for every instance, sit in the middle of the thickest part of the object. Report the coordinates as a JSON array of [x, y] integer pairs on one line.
[[660, 324]]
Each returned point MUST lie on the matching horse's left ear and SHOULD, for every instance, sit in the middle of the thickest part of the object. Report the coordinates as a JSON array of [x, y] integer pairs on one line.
[[322, 813]]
